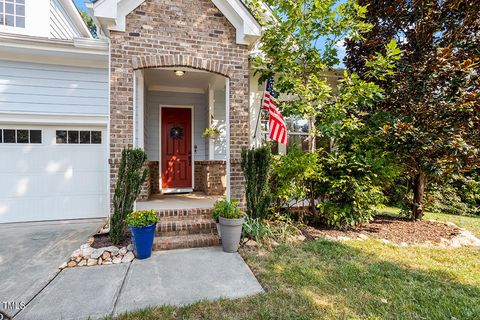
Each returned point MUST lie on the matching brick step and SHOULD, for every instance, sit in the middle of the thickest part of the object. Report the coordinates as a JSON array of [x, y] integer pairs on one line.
[[183, 212], [167, 228], [186, 241], [185, 218]]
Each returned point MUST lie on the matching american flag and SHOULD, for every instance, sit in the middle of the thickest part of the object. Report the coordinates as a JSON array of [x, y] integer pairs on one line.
[[276, 123]]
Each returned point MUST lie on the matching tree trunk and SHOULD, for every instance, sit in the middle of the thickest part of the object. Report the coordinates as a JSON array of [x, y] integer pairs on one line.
[[313, 205], [419, 182], [312, 143]]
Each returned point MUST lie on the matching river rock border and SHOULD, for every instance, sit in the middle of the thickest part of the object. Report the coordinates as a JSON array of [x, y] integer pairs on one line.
[[86, 256]]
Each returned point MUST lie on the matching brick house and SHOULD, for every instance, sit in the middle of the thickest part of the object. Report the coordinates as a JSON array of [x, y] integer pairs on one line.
[[177, 68], [159, 74]]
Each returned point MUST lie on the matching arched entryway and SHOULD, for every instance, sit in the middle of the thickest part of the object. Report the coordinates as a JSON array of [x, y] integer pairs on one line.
[[176, 99]]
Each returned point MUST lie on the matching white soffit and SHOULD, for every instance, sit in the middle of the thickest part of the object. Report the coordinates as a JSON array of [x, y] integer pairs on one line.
[[111, 15], [79, 51]]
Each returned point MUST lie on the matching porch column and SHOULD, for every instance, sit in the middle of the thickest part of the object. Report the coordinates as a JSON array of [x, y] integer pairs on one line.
[[211, 114], [139, 110], [139, 129], [227, 129]]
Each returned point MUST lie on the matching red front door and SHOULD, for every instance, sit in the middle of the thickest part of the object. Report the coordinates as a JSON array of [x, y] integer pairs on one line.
[[176, 149]]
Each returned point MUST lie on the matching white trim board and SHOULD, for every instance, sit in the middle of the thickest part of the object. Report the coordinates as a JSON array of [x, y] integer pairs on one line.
[[77, 52], [51, 118], [192, 116], [176, 190]]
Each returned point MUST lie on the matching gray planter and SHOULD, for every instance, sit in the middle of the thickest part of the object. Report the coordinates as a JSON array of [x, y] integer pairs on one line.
[[218, 230], [231, 231]]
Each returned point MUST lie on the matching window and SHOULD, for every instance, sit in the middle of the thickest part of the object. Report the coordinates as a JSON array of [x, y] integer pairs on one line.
[[298, 133], [96, 137], [20, 136], [84, 137], [78, 137], [12, 13], [72, 137]]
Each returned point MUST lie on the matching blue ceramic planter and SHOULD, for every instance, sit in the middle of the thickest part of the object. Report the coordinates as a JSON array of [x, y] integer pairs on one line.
[[142, 238]]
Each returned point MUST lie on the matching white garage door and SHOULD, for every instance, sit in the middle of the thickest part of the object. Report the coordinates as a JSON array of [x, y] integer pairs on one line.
[[52, 173]]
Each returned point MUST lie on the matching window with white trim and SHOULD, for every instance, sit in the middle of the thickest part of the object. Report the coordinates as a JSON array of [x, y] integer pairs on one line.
[[78, 137], [298, 133], [20, 136], [12, 13]]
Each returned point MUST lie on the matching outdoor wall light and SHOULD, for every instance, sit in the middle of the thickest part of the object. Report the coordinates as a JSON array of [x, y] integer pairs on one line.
[[179, 73]]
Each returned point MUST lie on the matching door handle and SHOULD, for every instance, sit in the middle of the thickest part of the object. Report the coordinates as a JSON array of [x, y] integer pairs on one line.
[[189, 158]]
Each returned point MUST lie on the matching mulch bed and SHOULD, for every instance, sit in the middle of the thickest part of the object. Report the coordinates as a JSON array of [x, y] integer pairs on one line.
[[396, 230], [103, 240]]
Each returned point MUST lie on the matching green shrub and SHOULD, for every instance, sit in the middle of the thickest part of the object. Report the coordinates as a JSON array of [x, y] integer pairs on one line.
[[255, 229], [142, 218], [348, 190], [227, 209], [278, 228], [459, 195], [256, 166], [130, 177], [293, 178], [283, 228]]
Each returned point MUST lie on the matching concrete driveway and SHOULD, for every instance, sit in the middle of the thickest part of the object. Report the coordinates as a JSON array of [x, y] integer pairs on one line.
[[30, 254]]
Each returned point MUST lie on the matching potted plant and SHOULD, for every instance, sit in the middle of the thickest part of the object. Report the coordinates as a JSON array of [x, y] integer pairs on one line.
[[142, 225], [231, 219], [211, 133]]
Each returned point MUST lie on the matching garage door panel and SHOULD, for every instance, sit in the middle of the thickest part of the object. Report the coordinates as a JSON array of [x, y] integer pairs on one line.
[[34, 185], [52, 181], [52, 208], [49, 159]]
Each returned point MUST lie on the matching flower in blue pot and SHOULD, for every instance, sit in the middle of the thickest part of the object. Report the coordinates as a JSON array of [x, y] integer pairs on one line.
[[142, 225]]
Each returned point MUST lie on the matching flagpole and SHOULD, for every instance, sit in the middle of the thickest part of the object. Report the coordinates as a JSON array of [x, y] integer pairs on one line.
[[259, 111]]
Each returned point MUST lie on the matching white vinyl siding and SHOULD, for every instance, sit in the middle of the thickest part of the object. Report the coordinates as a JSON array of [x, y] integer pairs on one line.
[[42, 88], [152, 106], [61, 26]]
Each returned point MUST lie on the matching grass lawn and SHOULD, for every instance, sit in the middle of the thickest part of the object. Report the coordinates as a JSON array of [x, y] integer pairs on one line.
[[352, 280]]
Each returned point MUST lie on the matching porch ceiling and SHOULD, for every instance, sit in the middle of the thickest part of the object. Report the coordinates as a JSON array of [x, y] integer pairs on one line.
[[164, 79]]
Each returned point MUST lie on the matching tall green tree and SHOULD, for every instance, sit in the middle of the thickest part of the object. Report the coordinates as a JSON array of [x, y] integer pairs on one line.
[[431, 110], [300, 48]]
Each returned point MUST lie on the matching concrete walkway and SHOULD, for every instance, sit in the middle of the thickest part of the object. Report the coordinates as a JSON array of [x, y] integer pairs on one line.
[[30, 254], [177, 277]]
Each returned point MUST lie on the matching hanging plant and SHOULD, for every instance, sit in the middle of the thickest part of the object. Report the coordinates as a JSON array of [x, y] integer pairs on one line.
[[211, 133]]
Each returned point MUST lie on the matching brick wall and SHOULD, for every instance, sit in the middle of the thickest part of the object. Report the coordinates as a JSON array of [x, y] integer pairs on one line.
[[148, 187], [154, 177], [210, 177], [169, 33]]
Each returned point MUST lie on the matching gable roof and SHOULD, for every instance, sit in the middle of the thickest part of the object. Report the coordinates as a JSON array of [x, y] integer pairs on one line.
[[111, 15], [74, 14]]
